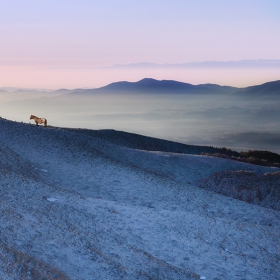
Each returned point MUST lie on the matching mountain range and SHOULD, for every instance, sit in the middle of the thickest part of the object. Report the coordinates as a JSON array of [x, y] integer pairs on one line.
[[149, 85]]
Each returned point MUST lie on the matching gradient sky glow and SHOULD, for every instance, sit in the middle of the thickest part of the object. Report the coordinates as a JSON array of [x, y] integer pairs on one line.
[[62, 43]]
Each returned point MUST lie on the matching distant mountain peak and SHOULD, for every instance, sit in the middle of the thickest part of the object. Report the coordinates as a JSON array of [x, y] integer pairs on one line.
[[150, 85], [148, 80]]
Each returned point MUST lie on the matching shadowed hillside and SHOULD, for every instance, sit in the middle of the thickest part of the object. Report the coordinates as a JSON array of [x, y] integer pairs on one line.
[[136, 141]]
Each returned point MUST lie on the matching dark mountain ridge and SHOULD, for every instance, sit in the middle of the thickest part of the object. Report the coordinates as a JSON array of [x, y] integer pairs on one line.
[[269, 88], [165, 86], [149, 86]]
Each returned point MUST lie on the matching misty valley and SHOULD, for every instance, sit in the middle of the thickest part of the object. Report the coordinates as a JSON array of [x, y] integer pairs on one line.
[[239, 119]]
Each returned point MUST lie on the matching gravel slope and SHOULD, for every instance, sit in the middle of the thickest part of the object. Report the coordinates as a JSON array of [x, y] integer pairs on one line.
[[75, 206]]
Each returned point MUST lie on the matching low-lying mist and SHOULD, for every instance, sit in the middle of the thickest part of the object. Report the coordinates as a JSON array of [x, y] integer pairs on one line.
[[218, 120]]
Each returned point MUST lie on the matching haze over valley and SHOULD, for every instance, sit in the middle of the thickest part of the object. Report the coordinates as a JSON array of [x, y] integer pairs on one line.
[[220, 116]]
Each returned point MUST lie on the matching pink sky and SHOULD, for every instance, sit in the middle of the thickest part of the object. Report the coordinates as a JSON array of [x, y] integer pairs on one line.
[[54, 44], [92, 78]]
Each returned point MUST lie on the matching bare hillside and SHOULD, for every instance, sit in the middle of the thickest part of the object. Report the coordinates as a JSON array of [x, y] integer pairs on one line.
[[77, 206]]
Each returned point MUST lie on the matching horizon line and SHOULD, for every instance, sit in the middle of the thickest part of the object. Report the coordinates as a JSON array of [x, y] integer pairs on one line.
[[8, 89]]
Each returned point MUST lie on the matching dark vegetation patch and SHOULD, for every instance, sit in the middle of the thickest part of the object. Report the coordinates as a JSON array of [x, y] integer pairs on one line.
[[262, 155], [263, 190], [263, 158]]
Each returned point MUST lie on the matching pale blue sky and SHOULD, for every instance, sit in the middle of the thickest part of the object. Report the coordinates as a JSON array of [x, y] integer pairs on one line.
[[60, 33]]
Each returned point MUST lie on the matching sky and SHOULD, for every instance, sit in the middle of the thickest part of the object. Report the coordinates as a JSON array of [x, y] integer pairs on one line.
[[67, 43]]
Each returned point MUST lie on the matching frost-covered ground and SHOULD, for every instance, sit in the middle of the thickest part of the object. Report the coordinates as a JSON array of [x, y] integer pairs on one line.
[[75, 206]]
